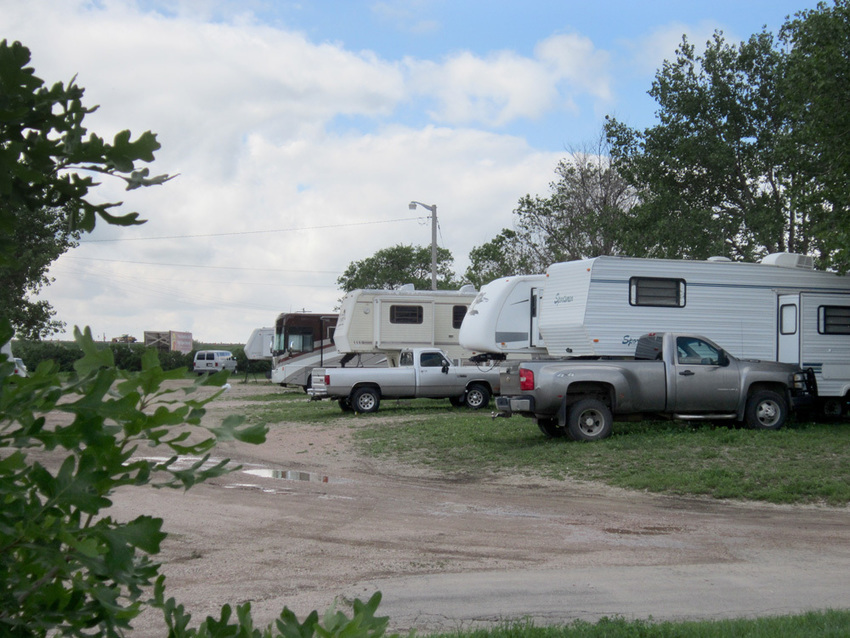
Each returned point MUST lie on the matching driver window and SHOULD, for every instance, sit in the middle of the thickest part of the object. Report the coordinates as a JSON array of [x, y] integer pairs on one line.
[[696, 352], [431, 360]]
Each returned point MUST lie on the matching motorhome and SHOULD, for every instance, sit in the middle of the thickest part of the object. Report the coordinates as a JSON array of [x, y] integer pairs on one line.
[[387, 321], [303, 341], [778, 309]]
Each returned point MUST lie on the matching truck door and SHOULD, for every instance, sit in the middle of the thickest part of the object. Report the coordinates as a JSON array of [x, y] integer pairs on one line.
[[788, 339], [700, 383], [431, 380]]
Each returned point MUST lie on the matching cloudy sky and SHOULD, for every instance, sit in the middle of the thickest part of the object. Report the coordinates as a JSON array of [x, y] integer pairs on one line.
[[302, 129]]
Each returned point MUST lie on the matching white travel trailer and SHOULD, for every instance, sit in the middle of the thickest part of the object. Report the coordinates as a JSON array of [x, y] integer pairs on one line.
[[387, 321], [503, 318], [303, 341], [779, 309]]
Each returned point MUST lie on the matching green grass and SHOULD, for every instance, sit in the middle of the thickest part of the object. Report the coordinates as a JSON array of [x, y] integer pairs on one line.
[[804, 463], [825, 624]]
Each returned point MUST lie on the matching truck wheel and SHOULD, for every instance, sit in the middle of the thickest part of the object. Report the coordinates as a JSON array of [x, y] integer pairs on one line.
[[550, 428], [589, 420], [477, 396], [766, 410], [365, 400]]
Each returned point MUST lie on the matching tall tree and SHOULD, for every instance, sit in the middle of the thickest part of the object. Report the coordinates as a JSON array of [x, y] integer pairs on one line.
[[711, 173], [586, 214], [393, 267], [817, 95], [48, 161]]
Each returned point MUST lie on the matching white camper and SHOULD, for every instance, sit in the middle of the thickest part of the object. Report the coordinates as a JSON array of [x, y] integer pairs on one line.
[[386, 321], [303, 341], [259, 344], [779, 309], [503, 318]]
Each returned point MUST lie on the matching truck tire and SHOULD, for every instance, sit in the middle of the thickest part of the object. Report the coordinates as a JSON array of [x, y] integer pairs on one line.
[[589, 420], [550, 428], [365, 400], [477, 397], [766, 410]]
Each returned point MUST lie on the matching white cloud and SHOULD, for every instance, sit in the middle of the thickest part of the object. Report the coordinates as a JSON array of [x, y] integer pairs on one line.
[[244, 113], [649, 53], [504, 86]]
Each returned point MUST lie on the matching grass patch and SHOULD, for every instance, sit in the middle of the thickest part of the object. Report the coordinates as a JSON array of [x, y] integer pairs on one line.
[[822, 624], [804, 463]]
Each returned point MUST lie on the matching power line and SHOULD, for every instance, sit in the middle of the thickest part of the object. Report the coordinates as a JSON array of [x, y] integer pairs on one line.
[[153, 263], [251, 232]]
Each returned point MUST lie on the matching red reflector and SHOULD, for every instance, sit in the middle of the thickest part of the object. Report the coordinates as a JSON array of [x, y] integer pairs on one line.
[[526, 379], [327, 379]]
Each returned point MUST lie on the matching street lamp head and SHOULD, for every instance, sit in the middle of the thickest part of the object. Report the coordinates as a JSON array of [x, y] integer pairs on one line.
[[412, 205]]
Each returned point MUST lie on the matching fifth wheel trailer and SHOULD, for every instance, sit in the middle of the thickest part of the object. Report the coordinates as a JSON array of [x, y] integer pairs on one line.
[[779, 309]]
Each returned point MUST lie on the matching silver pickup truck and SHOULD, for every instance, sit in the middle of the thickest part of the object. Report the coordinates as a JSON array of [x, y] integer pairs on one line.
[[422, 372], [672, 375]]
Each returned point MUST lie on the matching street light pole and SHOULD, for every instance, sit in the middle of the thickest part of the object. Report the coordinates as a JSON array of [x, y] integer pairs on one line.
[[433, 210]]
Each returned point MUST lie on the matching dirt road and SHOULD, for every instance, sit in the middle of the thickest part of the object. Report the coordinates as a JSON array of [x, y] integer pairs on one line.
[[308, 521]]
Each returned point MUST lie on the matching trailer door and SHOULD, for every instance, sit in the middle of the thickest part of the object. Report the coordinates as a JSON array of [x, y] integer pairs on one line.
[[535, 340], [788, 336]]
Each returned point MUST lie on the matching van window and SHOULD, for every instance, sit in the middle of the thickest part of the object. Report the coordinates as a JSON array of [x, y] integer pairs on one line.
[[656, 291], [406, 314], [458, 313], [834, 320]]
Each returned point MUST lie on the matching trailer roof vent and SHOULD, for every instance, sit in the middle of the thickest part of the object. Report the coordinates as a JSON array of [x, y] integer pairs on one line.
[[407, 288], [468, 288], [790, 260], [718, 258]]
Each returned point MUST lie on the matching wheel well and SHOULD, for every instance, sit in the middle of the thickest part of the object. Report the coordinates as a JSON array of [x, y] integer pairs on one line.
[[775, 387], [359, 386], [482, 383], [584, 390]]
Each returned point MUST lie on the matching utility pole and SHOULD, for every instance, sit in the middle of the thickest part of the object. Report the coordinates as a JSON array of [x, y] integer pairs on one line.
[[433, 210]]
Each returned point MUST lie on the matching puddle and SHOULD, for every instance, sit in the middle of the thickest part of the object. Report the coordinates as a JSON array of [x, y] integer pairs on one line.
[[294, 475], [185, 462]]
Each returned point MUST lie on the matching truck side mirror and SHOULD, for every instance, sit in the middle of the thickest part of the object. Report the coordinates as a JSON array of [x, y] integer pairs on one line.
[[723, 359], [445, 368]]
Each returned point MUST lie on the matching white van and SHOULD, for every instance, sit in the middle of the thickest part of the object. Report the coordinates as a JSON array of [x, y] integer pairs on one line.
[[214, 361]]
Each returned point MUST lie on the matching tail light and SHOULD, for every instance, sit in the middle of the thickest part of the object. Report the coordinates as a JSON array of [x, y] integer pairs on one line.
[[327, 379], [526, 380]]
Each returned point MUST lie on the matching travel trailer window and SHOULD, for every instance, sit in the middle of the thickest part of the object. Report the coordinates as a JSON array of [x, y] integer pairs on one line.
[[458, 313], [834, 320], [655, 291], [406, 314], [788, 319]]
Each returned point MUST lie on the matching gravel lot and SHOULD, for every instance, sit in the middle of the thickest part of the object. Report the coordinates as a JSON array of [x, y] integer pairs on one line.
[[308, 522]]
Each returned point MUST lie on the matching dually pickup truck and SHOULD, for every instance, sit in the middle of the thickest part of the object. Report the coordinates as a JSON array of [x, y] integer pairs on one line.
[[671, 375], [421, 372]]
